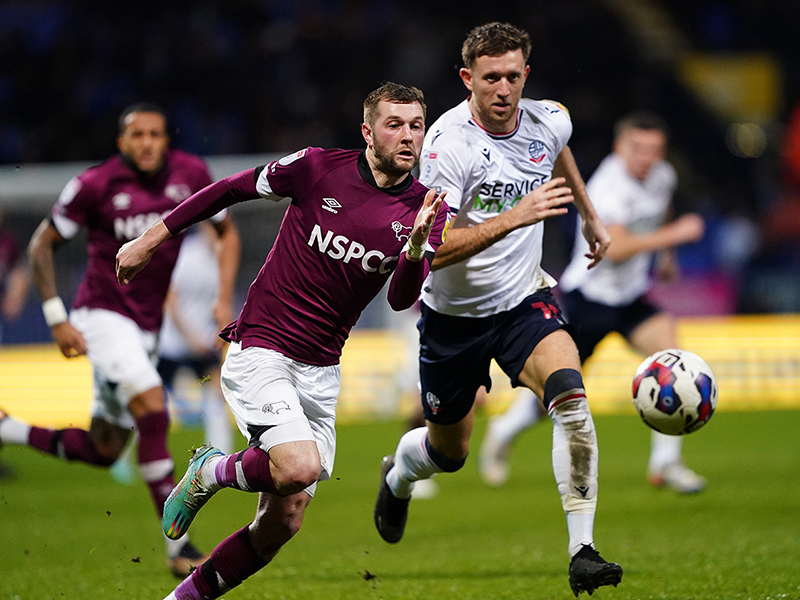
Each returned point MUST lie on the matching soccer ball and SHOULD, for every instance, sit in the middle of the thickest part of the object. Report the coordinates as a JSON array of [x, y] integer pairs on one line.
[[675, 392]]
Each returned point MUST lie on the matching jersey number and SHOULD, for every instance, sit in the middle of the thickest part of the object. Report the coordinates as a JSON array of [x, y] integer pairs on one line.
[[548, 310]]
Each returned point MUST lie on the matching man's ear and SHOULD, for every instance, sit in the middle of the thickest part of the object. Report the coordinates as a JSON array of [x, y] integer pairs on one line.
[[366, 131], [466, 77]]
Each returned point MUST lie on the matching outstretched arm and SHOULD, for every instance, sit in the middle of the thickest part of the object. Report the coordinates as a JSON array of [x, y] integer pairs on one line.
[[133, 256], [592, 227], [683, 230]]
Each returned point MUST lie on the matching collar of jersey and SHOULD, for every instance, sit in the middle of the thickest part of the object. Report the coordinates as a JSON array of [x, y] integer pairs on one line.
[[366, 175], [499, 136]]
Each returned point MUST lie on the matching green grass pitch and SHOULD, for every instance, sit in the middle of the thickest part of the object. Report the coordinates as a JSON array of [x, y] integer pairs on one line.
[[71, 532]]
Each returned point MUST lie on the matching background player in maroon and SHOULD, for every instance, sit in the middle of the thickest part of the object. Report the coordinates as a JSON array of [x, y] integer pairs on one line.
[[117, 327], [355, 218]]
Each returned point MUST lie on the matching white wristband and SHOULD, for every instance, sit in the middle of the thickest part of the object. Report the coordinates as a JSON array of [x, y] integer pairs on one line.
[[54, 311], [415, 252]]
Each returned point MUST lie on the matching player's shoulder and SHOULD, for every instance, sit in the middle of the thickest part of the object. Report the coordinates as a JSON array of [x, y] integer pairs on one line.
[[665, 170], [96, 177], [313, 157], [545, 110], [453, 128], [417, 188]]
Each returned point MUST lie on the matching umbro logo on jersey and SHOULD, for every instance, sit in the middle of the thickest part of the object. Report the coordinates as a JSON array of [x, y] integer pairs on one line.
[[121, 201], [486, 153], [331, 204], [537, 151], [402, 232]]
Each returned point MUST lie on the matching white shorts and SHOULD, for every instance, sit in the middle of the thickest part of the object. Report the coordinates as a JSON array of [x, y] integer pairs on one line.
[[276, 400], [123, 358]]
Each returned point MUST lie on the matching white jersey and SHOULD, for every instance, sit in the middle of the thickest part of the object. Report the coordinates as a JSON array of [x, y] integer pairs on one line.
[[195, 283], [639, 206], [485, 174]]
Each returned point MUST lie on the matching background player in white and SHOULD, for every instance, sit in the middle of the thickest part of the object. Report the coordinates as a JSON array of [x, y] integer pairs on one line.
[[632, 191], [355, 218], [189, 337], [117, 327], [495, 155]]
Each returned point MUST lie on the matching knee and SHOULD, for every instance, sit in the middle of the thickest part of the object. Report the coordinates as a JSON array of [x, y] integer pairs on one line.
[[297, 475], [450, 460], [109, 442]]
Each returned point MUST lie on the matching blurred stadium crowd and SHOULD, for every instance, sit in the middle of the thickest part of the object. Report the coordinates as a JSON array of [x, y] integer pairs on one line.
[[273, 76]]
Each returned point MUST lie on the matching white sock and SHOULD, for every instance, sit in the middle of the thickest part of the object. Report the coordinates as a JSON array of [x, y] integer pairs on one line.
[[524, 412], [580, 527], [216, 424], [573, 435], [171, 596], [664, 450], [174, 547], [14, 432], [411, 463]]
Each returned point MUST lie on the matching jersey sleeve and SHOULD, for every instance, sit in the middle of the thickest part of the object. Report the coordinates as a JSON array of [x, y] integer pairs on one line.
[[203, 180], [447, 165], [559, 122], [72, 208], [287, 177]]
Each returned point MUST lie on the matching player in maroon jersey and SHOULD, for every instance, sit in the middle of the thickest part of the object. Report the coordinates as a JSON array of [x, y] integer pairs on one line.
[[117, 326], [355, 218]]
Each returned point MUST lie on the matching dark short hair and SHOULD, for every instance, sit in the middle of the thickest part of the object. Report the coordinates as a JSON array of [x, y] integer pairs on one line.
[[640, 119], [392, 92], [494, 39], [140, 107]]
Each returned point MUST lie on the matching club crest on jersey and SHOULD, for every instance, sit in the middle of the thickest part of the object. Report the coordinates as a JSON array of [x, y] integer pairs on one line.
[[177, 192], [121, 201], [537, 151], [331, 204], [401, 231]]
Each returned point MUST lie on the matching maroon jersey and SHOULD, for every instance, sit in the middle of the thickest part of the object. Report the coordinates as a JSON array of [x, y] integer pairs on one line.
[[339, 242], [116, 204]]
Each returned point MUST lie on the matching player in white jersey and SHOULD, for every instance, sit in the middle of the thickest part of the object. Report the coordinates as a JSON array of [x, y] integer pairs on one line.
[[505, 166], [189, 336], [632, 190]]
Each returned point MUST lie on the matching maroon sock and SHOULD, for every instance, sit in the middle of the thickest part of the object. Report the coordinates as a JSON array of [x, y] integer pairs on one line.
[[233, 561], [155, 462], [247, 470], [69, 444]]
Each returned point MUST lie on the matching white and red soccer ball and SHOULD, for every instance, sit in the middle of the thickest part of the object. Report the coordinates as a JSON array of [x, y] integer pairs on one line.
[[675, 391]]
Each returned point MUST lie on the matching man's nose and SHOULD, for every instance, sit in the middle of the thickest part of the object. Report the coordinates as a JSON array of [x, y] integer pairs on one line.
[[503, 87]]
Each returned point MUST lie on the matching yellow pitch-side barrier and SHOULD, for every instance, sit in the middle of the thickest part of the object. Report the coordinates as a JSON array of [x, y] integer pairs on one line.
[[756, 360]]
